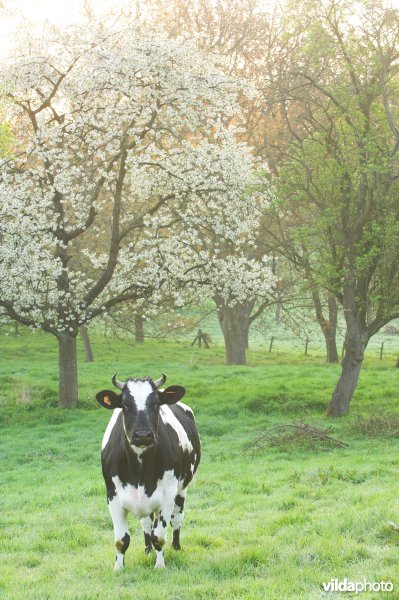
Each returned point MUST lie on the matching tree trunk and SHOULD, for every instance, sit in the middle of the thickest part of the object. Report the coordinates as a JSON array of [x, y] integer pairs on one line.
[[356, 339], [84, 333], [139, 329], [328, 326], [68, 370], [331, 347], [277, 314], [246, 335], [234, 323], [330, 331]]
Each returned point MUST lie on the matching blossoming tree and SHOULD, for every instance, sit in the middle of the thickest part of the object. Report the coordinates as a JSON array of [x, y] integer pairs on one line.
[[207, 247], [100, 117], [215, 254]]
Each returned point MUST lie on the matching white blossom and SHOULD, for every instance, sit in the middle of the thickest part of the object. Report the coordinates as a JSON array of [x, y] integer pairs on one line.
[[126, 176]]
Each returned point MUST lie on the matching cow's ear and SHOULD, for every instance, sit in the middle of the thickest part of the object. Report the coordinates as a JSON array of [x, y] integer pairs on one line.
[[172, 394], [108, 399]]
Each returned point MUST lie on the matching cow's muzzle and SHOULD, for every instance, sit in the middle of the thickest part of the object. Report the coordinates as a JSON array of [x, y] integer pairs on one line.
[[143, 438]]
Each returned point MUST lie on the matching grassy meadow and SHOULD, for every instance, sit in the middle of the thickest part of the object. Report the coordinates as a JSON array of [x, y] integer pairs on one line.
[[269, 525]]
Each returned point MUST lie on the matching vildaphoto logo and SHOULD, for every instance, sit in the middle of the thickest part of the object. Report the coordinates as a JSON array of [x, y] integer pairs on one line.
[[345, 585]]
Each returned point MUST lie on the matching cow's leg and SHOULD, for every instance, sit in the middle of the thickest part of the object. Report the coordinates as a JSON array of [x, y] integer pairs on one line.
[[177, 518], [146, 524], [121, 531], [158, 535]]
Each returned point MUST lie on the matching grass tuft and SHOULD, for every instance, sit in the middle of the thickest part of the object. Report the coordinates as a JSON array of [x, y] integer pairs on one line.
[[380, 423], [330, 474]]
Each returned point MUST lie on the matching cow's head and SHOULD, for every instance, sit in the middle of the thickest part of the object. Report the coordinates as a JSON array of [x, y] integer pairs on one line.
[[140, 400]]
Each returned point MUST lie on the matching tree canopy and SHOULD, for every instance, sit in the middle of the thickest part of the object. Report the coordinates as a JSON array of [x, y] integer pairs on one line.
[[117, 130]]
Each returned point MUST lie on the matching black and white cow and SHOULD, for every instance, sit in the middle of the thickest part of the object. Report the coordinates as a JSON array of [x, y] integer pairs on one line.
[[150, 452]]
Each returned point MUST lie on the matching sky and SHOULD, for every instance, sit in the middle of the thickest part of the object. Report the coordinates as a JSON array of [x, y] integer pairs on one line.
[[58, 12]]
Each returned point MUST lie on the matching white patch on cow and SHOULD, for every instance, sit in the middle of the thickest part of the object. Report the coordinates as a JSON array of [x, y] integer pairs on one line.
[[169, 418], [146, 524], [177, 514], [135, 500], [160, 560], [139, 451], [119, 520], [185, 408], [140, 390], [110, 427]]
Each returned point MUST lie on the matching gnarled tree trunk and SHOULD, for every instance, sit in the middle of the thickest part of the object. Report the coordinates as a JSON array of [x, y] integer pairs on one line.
[[234, 322], [356, 339], [68, 370], [138, 329]]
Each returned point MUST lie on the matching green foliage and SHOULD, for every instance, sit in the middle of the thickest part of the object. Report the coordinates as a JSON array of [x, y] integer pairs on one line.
[[5, 139], [337, 182], [6, 134], [274, 525]]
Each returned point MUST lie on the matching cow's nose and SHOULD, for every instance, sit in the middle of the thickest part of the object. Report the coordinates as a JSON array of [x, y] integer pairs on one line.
[[142, 438]]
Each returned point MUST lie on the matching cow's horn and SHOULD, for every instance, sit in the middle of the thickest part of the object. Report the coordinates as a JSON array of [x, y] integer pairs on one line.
[[117, 383], [161, 381]]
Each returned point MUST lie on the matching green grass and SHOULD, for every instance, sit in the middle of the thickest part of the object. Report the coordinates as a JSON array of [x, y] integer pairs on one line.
[[273, 525]]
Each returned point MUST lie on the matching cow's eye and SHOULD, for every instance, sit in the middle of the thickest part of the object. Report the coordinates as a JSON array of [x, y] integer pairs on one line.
[[156, 402]]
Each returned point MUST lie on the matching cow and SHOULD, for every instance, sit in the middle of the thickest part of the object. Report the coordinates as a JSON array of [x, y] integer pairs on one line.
[[150, 453]]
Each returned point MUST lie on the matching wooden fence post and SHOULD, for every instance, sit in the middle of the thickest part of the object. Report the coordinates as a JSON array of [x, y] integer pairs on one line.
[[201, 337]]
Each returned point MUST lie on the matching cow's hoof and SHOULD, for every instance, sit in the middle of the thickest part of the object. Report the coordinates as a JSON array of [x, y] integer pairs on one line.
[[176, 546], [148, 549]]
